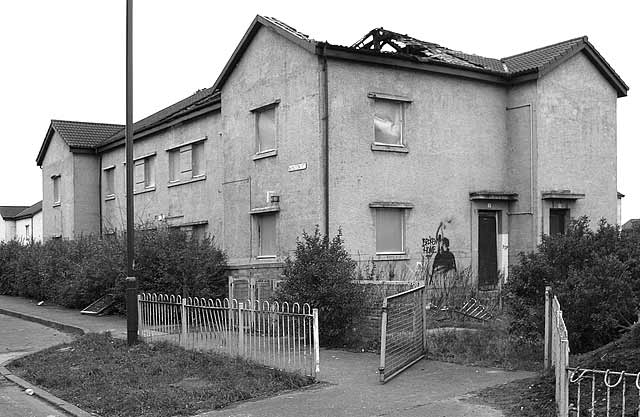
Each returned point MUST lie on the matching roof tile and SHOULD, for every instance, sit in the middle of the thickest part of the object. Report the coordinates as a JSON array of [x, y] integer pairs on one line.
[[84, 134]]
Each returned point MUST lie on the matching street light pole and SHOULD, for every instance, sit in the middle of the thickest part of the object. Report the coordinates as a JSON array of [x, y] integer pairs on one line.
[[132, 286]]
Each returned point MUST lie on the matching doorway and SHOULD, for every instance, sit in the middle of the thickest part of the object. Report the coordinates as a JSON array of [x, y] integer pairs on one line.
[[487, 249]]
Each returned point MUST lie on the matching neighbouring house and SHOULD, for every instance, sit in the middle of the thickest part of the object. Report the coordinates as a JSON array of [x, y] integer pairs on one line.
[[421, 154], [631, 224], [22, 223]]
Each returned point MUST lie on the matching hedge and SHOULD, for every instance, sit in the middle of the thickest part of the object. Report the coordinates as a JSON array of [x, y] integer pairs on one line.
[[74, 273]]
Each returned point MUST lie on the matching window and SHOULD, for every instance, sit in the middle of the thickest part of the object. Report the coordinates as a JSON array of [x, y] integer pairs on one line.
[[558, 221], [56, 189], [266, 129], [266, 235], [186, 162], [389, 231], [109, 181], [143, 174], [27, 235], [388, 122]]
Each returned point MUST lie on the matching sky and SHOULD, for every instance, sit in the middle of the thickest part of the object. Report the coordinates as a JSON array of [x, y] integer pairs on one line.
[[65, 59]]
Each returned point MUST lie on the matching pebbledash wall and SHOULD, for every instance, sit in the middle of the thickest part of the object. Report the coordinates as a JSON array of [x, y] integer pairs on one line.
[[473, 150]]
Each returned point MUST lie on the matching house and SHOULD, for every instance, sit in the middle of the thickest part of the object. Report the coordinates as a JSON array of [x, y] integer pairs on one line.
[[631, 224], [23, 223], [421, 154]]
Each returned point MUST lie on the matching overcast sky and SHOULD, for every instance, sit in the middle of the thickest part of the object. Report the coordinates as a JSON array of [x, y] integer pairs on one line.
[[65, 59]]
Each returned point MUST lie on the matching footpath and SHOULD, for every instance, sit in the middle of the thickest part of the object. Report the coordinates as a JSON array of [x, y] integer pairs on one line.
[[350, 388]]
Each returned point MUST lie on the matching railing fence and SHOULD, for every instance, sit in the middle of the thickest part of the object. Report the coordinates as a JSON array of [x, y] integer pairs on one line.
[[283, 336], [584, 392]]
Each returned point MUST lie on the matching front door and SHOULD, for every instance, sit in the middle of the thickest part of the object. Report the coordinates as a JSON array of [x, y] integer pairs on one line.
[[487, 249]]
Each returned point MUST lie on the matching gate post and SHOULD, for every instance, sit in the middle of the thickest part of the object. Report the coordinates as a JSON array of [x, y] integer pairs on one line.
[[316, 340], [547, 328], [183, 316], [383, 340], [423, 307], [240, 330]]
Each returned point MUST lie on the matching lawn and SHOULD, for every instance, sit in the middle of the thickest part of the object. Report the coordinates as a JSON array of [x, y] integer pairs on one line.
[[103, 375]]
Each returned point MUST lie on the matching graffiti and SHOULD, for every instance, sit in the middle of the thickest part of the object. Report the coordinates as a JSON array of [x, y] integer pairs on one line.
[[444, 260], [429, 246]]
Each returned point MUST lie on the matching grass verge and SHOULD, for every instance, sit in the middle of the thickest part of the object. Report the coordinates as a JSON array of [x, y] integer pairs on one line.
[[103, 375], [489, 346], [531, 397]]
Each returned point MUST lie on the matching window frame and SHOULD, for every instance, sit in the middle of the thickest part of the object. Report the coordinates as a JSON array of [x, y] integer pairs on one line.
[[55, 188], [174, 154], [149, 181], [403, 249], [257, 111], [109, 171], [389, 98], [259, 218]]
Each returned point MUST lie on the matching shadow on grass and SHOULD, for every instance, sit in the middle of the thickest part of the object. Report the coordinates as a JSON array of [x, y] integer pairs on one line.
[[103, 375]]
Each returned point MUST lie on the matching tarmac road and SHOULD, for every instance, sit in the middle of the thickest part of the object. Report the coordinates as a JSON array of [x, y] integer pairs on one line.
[[19, 338]]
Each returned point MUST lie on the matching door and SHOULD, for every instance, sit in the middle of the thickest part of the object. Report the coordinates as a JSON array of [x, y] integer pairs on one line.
[[487, 249]]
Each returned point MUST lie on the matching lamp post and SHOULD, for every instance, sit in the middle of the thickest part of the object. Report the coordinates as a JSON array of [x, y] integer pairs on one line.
[[132, 285]]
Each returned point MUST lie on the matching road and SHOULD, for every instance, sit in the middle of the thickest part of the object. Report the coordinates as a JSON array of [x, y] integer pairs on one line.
[[18, 338]]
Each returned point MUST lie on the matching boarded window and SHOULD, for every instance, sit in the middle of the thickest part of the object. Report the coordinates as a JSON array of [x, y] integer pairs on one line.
[[143, 173], [56, 189], [174, 165], [109, 183], [558, 221], [389, 230], [388, 121], [266, 235], [197, 159], [266, 129]]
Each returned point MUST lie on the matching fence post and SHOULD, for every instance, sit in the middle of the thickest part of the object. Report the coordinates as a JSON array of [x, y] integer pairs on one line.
[[140, 331], [383, 340], [230, 288], [547, 328], [316, 341], [564, 380], [240, 330], [423, 306], [183, 319]]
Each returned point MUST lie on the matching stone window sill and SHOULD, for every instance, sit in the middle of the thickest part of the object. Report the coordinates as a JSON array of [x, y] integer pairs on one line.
[[110, 197], [389, 148], [194, 179], [391, 257], [146, 190], [57, 204], [265, 154]]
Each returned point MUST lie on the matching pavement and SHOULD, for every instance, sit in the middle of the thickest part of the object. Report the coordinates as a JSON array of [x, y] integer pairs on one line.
[[350, 381]]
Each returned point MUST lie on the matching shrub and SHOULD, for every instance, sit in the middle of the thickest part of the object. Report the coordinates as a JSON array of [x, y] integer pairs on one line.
[[74, 273], [321, 274], [595, 276]]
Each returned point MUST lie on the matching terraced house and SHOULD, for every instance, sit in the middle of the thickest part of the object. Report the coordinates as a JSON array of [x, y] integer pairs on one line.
[[418, 152]]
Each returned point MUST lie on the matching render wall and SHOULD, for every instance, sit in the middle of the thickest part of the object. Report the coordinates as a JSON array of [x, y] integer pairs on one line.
[[86, 174], [35, 228], [577, 140], [272, 69], [455, 132], [58, 219], [182, 203], [5, 226]]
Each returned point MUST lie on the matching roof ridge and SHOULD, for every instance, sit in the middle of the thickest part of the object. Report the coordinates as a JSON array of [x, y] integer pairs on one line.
[[583, 38], [88, 123]]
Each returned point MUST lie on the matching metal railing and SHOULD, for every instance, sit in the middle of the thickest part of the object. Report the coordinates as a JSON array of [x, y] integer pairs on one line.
[[278, 335], [403, 337], [574, 387]]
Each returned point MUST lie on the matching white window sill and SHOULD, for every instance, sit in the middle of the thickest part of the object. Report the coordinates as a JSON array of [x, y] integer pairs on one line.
[[267, 257], [265, 154], [194, 179], [110, 197], [146, 190], [57, 204], [389, 148], [400, 256]]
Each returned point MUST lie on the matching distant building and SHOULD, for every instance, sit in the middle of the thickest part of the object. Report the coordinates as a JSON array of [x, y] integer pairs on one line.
[[23, 223], [630, 224], [401, 143]]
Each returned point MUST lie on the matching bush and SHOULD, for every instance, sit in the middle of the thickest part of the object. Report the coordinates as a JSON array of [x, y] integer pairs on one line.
[[595, 275], [321, 274], [74, 273]]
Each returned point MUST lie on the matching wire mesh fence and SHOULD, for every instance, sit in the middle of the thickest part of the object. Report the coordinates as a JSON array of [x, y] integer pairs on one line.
[[403, 336], [282, 336]]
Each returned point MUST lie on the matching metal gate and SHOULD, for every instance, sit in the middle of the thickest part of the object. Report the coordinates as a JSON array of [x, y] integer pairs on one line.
[[403, 341]]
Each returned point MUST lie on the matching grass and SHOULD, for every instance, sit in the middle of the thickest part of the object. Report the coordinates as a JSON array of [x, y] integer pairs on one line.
[[488, 345], [103, 375]]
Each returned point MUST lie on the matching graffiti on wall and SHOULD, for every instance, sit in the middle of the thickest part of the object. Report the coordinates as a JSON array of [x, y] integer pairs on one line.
[[444, 261]]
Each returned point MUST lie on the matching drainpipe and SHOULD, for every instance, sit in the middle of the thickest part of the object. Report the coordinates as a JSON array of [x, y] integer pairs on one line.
[[325, 135], [100, 194]]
